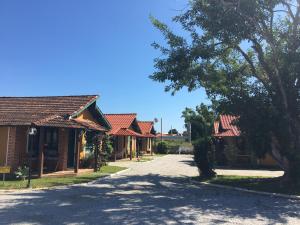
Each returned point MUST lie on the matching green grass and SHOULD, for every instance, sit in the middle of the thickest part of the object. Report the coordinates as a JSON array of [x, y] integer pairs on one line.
[[272, 185], [145, 159], [58, 181]]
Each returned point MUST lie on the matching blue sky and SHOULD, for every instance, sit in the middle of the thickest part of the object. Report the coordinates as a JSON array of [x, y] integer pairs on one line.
[[68, 47]]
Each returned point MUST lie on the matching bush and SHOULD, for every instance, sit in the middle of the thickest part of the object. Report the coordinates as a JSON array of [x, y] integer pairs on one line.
[[231, 153], [162, 148], [87, 161], [202, 147], [22, 172], [107, 149]]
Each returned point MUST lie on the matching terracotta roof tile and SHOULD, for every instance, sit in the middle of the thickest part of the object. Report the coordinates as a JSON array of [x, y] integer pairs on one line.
[[90, 125], [52, 111], [127, 132], [146, 128], [119, 121], [225, 127]]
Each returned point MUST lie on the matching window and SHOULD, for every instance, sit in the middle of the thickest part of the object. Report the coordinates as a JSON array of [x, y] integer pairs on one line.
[[51, 141], [33, 144]]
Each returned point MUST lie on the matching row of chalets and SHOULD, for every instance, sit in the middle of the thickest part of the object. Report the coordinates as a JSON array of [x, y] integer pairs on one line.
[[56, 133]]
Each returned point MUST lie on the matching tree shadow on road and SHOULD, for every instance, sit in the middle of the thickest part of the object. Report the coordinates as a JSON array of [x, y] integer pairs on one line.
[[148, 199]]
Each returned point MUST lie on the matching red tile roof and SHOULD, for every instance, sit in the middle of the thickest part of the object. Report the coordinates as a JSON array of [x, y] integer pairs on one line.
[[120, 121], [146, 128], [127, 132], [91, 125], [225, 127], [52, 111]]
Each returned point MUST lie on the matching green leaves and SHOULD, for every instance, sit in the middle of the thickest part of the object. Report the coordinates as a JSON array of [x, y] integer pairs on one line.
[[246, 54]]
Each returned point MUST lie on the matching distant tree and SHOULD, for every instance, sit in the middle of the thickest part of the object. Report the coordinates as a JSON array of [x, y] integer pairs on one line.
[[201, 121], [173, 131], [185, 133], [246, 54]]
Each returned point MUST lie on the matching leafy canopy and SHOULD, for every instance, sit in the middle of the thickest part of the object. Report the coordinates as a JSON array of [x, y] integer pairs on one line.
[[246, 54]]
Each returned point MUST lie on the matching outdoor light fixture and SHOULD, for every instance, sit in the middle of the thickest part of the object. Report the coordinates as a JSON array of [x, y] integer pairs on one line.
[[32, 132]]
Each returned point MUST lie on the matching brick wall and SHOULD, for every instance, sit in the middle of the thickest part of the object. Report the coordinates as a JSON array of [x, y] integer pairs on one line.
[[63, 139], [11, 161]]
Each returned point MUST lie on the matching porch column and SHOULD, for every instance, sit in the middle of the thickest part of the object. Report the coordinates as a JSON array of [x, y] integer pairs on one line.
[[131, 146], [77, 151], [41, 152]]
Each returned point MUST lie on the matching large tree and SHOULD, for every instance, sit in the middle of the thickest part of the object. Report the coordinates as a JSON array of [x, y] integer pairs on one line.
[[246, 54]]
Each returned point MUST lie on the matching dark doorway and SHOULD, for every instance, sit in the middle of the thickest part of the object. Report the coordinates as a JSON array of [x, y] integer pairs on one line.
[[71, 149]]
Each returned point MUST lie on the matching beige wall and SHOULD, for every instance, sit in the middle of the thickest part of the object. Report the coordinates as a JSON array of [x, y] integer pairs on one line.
[[86, 115], [3, 144], [147, 145], [123, 146]]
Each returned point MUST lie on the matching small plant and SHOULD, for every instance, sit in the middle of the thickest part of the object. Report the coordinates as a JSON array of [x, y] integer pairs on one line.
[[162, 148], [22, 172]]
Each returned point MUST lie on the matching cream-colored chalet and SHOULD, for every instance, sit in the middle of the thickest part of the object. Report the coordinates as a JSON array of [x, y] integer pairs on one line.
[[125, 131], [148, 135]]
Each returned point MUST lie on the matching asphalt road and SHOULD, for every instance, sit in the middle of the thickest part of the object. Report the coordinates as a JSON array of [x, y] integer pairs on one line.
[[156, 192]]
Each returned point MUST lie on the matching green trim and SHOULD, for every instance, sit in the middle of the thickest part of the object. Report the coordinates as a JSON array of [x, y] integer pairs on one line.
[[103, 117], [84, 108], [97, 109]]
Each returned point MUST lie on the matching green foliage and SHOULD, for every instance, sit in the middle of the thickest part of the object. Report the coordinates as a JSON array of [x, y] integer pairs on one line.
[[173, 131], [162, 148], [202, 148], [247, 57], [87, 161], [22, 172], [107, 148], [231, 151], [201, 120]]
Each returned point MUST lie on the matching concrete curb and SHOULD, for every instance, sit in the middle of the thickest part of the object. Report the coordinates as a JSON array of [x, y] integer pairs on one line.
[[25, 190], [118, 173], [294, 197]]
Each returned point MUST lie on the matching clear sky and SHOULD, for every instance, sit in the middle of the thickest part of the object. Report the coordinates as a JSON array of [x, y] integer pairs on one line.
[[69, 47]]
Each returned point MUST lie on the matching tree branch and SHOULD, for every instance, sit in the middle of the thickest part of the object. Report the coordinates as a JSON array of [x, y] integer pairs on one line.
[[252, 67]]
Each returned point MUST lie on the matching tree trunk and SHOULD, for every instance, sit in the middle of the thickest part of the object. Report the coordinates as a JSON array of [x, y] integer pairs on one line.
[[290, 165]]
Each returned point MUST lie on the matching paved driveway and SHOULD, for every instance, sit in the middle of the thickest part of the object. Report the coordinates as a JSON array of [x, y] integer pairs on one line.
[[156, 192]]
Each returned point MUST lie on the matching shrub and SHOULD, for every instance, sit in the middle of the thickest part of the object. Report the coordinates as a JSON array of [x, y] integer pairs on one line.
[[107, 149], [162, 148], [231, 152], [22, 172], [87, 161], [202, 148]]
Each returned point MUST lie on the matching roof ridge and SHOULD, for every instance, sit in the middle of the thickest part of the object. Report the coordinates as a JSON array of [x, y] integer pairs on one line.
[[120, 114], [50, 96]]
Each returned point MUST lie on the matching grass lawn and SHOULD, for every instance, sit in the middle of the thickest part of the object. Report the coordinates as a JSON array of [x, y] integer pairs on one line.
[[58, 181], [265, 184]]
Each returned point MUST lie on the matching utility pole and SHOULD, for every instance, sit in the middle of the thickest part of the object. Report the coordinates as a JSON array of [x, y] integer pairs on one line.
[[161, 135], [190, 132]]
